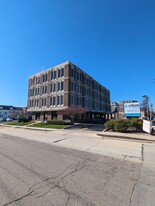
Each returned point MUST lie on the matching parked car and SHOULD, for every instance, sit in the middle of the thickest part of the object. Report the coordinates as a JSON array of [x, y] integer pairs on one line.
[[9, 119], [67, 121], [153, 125]]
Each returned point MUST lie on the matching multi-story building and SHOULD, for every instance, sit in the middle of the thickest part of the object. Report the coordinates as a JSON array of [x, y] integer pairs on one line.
[[63, 86]]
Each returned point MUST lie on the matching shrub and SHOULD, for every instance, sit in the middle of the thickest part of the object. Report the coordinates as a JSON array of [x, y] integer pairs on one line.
[[22, 119], [110, 124], [56, 122], [121, 125], [136, 123]]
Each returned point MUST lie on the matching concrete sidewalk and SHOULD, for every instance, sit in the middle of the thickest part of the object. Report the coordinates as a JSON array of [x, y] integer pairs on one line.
[[142, 137], [144, 190], [86, 141]]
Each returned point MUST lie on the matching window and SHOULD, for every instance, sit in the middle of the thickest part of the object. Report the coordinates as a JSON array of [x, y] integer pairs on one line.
[[78, 102], [62, 72], [58, 100], [46, 77], [32, 103], [78, 76], [36, 91], [72, 100], [51, 89], [55, 74], [72, 72], [43, 102], [72, 86], [32, 92], [54, 87], [54, 101], [58, 86], [62, 86], [59, 73], [51, 101], [51, 75], [33, 80], [62, 99], [37, 80], [45, 89], [42, 90], [37, 102]]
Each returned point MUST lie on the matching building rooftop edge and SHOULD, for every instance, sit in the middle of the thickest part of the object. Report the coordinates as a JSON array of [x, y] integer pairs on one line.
[[44, 71], [62, 64]]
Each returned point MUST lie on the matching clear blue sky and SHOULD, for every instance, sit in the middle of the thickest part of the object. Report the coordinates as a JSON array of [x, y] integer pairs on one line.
[[111, 40]]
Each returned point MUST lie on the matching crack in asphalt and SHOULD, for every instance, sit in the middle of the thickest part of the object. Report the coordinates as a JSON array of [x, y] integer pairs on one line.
[[20, 198], [52, 182]]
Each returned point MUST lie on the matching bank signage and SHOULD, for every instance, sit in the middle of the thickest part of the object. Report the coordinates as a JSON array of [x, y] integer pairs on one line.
[[132, 109]]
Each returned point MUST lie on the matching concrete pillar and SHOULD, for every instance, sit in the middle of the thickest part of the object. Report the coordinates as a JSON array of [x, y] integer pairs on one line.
[[60, 117], [33, 117], [42, 117]]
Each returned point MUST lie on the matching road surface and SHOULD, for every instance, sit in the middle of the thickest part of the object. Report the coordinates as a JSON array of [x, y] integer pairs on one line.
[[39, 174]]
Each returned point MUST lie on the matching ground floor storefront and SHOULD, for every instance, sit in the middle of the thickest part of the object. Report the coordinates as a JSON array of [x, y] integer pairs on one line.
[[52, 115]]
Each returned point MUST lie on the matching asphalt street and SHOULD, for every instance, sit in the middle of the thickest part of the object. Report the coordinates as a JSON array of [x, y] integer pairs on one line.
[[39, 174]]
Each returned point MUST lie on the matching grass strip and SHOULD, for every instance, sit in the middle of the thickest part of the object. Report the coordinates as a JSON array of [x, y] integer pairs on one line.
[[44, 125]]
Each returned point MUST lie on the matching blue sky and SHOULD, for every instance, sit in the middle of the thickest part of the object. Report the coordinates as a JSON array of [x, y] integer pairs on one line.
[[111, 40]]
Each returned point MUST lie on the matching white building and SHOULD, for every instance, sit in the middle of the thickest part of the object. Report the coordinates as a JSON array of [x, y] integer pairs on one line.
[[9, 111]]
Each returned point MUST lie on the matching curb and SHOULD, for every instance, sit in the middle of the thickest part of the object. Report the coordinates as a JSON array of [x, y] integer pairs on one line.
[[112, 136], [31, 128]]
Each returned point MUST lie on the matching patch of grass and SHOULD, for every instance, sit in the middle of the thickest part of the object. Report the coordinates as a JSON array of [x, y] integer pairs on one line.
[[52, 126], [19, 124]]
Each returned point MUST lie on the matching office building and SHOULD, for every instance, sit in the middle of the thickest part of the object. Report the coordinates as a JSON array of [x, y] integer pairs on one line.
[[63, 86]]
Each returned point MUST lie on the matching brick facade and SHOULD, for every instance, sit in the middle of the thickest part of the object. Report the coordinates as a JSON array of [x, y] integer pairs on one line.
[[63, 86]]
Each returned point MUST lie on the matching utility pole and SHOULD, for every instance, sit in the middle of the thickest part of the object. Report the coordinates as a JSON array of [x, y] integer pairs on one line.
[[151, 107]]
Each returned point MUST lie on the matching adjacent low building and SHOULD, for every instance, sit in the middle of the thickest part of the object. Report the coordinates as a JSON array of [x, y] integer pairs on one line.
[[63, 86], [126, 109], [7, 111]]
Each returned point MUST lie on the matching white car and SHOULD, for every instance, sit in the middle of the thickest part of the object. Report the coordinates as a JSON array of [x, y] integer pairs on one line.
[[153, 124], [67, 121], [9, 119]]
